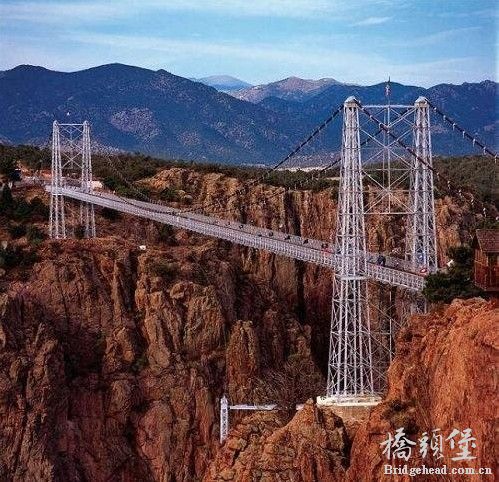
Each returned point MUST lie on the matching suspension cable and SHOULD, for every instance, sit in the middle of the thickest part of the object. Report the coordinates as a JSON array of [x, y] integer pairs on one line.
[[218, 206], [295, 151], [262, 177], [314, 176], [322, 171], [466, 135], [412, 152]]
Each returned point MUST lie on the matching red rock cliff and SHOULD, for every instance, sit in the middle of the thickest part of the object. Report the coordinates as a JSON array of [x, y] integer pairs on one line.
[[112, 361], [443, 377]]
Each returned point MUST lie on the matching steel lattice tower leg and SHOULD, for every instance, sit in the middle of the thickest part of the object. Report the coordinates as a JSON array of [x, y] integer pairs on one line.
[[57, 223], [87, 216], [421, 239], [350, 369], [224, 418]]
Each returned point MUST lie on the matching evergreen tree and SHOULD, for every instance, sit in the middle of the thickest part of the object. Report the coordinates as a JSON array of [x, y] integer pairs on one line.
[[6, 200], [457, 282]]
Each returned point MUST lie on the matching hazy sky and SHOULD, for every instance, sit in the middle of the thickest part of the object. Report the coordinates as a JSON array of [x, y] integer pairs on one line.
[[420, 42]]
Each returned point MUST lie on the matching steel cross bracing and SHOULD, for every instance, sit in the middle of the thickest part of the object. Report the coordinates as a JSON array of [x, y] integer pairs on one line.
[[350, 367], [71, 155], [224, 418], [291, 246], [386, 167], [87, 216], [421, 243], [57, 222]]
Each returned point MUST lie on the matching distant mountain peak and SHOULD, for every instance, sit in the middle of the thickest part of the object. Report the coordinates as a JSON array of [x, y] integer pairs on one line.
[[225, 83], [291, 88], [221, 78], [29, 68]]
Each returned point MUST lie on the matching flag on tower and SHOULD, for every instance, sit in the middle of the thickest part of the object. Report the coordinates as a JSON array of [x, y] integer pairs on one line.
[[388, 89]]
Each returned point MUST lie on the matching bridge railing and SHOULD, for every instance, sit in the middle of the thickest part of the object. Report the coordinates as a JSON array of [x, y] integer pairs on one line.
[[292, 246]]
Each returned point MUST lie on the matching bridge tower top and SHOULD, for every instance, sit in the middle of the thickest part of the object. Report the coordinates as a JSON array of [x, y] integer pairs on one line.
[[420, 101]]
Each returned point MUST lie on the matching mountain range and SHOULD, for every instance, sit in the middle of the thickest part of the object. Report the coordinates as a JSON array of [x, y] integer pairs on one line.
[[158, 113]]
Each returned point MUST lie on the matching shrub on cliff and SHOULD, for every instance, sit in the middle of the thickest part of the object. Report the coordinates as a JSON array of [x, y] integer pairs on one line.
[[472, 174], [166, 233], [16, 256], [17, 230], [29, 156], [169, 194], [79, 231], [34, 234], [7, 202], [8, 166], [20, 209], [163, 268], [456, 282], [39, 209], [110, 214]]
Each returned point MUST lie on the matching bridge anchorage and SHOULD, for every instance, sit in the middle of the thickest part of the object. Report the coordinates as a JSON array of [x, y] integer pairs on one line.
[[386, 169]]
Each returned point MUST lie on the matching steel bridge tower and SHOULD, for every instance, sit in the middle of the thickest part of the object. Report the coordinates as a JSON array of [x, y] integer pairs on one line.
[[402, 177], [87, 215], [350, 370], [57, 220], [70, 152], [421, 243], [224, 418]]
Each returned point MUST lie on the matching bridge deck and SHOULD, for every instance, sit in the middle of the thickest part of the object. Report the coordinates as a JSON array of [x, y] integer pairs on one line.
[[291, 246]]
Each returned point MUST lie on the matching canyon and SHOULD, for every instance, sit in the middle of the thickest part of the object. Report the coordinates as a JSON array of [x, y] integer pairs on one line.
[[113, 359]]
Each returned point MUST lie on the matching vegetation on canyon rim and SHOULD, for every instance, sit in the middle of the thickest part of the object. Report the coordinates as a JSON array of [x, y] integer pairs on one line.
[[456, 282], [21, 214], [470, 173]]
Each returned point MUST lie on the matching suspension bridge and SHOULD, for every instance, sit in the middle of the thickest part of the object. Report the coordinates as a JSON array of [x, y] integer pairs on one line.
[[385, 168]]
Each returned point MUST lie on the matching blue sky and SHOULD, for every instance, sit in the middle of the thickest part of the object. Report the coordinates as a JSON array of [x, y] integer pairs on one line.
[[419, 42]]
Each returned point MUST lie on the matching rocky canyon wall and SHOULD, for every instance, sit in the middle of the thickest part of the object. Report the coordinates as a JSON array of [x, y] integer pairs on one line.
[[112, 360], [443, 377]]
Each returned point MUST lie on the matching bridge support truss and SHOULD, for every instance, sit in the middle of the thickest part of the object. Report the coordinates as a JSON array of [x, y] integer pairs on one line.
[[421, 244], [224, 418], [87, 215], [71, 153], [394, 179], [57, 220], [350, 370]]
